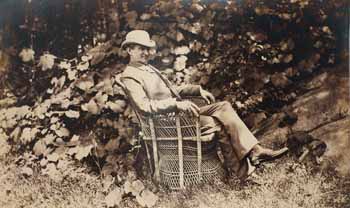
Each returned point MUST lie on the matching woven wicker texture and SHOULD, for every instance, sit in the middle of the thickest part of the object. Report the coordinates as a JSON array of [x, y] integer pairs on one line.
[[211, 168], [180, 158]]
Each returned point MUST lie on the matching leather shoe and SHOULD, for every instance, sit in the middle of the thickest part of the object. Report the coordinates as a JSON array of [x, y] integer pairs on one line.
[[261, 154]]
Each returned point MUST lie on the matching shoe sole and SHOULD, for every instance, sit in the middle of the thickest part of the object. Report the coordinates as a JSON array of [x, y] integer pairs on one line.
[[257, 161]]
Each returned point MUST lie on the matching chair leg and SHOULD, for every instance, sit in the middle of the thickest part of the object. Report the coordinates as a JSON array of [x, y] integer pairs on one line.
[[150, 163], [180, 153], [155, 151]]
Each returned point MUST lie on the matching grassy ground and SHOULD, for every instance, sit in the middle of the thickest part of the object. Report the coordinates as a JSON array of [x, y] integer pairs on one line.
[[284, 183]]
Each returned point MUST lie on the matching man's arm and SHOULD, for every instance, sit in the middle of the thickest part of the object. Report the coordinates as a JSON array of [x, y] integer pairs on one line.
[[188, 90], [195, 90], [139, 97]]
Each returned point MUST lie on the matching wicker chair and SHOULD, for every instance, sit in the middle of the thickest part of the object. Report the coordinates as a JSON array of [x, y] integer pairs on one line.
[[181, 157]]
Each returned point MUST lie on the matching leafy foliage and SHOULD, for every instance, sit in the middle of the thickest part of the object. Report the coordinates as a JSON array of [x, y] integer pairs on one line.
[[72, 109]]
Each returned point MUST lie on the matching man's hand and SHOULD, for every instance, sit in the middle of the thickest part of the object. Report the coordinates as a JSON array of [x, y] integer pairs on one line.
[[207, 96], [188, 107]]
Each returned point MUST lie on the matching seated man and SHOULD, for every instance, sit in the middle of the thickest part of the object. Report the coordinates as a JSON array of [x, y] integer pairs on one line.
[[152, 93]]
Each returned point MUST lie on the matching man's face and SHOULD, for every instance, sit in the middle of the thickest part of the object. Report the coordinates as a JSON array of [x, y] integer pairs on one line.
[[139, 53]]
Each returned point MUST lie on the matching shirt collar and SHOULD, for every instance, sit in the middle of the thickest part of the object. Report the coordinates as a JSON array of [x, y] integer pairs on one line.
[[144, 67]]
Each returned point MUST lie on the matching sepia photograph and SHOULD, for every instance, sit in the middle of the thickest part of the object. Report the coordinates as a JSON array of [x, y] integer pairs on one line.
[[174, 104]]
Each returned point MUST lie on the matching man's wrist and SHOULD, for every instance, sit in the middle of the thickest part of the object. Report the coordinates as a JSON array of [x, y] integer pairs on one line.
[[200, 90]]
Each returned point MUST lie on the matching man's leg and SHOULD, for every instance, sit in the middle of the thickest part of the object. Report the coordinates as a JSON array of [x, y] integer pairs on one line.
[[235, 139], [241, 139], [241, 142], [242, 168]]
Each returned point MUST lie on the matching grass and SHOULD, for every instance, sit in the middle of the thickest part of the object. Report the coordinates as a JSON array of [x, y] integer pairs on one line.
[[284, 183], [281, 184]]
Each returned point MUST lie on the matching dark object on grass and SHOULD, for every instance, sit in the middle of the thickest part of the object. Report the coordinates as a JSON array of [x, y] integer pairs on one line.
[[289, 119], [302, 143]]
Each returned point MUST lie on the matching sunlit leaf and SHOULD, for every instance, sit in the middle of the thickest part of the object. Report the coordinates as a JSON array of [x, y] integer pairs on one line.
[[195, 46], [180, 63], [62, 132], [18, 112], [43, 162], [52, 172], [117, 106], [326, 30], [75, 138], [197, 7], [73, 150], [83, 152], [134, 188], [27, 171], [46, 61], [28, 134], [64, 65], [114, 197], [147, 198], [53, 157], [145, 16], [239, 104], [72, 114], [107, 182], [16, 133], [4, 146], [85, 83], [39, 148], [83, 66], [183, 50], [179, 36], [63, 165], [91, 107], [71, 74], [86, 58], [49, 138], [101, 99], [27, 54]]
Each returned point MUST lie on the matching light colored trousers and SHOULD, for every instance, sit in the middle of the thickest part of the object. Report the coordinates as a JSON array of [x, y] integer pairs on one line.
[[237, 140]]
